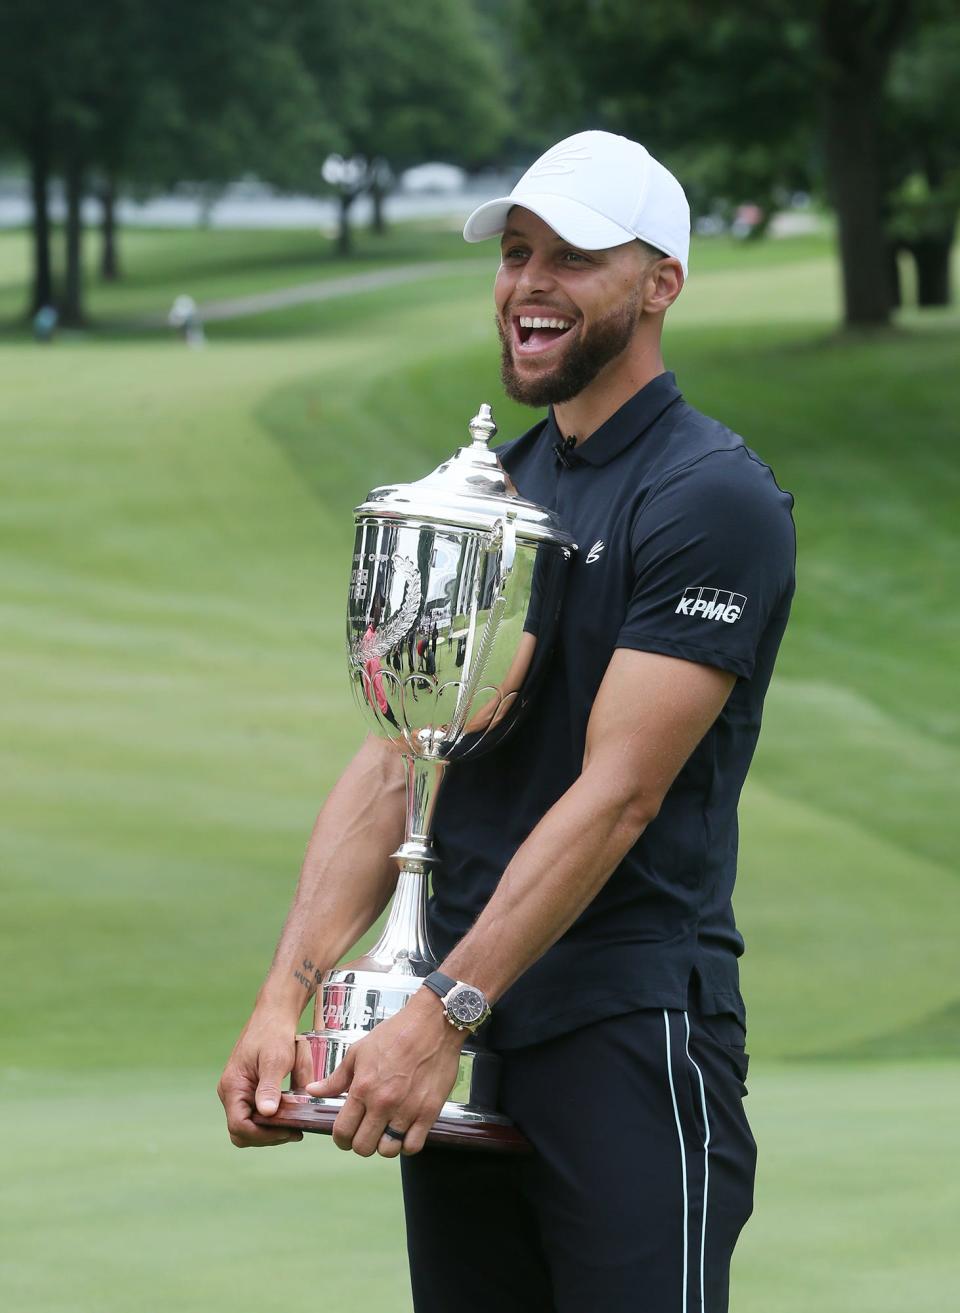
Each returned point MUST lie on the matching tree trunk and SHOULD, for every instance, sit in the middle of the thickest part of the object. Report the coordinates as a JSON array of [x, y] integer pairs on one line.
[[893, 275], [209, 194], [72, 307], [932, 259], [344, 233], [856, 42], [109, 257], [378, 222], [41, 291], [852, 156]]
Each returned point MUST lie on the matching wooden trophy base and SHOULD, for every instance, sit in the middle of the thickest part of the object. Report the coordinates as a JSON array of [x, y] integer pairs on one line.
[[454, 1129]]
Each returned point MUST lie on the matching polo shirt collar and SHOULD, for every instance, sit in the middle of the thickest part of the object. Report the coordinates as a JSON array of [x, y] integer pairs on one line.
[[625, 425]]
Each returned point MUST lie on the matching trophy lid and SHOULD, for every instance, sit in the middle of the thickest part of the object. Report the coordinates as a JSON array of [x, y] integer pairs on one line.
[[471, 490]]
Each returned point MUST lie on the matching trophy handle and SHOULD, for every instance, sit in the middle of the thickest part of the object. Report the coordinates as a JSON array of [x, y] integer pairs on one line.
[[505, 533], [502, 538]]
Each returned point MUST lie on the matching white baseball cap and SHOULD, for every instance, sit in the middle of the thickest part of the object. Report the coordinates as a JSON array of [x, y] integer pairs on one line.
[[596, 190]]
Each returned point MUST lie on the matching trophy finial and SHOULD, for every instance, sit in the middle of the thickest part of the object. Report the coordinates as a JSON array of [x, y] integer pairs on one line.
[[482, 427]]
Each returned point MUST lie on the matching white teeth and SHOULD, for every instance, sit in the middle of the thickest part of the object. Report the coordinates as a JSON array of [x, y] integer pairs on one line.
[[526, 322]]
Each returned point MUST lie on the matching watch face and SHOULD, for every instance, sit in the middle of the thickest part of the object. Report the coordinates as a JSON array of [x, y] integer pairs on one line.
[[468, 1006]]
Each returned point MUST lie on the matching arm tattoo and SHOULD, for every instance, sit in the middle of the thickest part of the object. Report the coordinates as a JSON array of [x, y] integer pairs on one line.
[[310, 975]]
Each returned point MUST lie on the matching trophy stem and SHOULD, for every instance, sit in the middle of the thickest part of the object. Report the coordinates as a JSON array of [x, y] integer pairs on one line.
[[424, 778], [404, 945]]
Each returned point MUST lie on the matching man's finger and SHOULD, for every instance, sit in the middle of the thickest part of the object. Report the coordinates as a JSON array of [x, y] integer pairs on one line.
[[338, 1082], [246, 1133], [273, 1071], [236, 1095], [367, 1138], [416, 1136], [348, 1122], [389, 1146]]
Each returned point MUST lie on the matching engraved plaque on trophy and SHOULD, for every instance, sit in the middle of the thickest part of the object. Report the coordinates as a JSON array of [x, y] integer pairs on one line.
[[454, 597]]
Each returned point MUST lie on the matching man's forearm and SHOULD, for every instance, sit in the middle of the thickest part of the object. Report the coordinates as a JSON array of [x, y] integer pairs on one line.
[[630, 762], [347, 875]]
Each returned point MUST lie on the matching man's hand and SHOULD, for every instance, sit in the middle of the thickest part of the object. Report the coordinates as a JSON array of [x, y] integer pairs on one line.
[[252, 1078], [399, 1076]]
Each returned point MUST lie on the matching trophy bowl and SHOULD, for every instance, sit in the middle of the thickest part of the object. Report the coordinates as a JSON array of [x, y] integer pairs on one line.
[[454, 598]]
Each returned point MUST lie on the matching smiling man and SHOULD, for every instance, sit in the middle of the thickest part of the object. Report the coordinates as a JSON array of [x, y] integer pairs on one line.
[[588, 864]]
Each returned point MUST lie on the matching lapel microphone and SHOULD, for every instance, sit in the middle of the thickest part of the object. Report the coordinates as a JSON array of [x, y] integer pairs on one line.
[[563, 451]]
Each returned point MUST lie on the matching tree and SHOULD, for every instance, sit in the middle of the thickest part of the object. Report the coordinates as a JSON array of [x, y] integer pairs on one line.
[[922, 132], [403, 84], [32, 110], [66, 67], [856, 41], [148, 94], [704, 86], [238, 97], [218, 91]]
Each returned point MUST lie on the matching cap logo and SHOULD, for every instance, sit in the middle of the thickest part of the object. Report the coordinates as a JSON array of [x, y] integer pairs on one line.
[[562, 159]]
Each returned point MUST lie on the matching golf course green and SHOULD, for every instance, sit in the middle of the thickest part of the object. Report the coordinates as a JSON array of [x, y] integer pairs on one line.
[[176, 536]]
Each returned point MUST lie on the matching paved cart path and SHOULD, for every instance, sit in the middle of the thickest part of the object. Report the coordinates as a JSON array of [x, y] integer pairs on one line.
[[327, 289]]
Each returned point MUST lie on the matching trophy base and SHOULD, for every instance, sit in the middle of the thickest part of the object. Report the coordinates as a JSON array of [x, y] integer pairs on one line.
[[467, 1120], [455, 1128]]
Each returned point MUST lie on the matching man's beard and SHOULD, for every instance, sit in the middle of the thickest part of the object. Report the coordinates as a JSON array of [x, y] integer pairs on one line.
[[579, 366]]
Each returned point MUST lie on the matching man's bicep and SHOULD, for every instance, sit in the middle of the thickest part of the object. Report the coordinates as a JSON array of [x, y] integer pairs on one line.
[[650, 713]]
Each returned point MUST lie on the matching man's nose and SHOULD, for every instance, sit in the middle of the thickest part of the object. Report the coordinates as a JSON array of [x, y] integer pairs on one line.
[[535, 276]]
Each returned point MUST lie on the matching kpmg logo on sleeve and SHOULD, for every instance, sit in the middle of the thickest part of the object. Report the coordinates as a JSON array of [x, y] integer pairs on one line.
[[711, 604]]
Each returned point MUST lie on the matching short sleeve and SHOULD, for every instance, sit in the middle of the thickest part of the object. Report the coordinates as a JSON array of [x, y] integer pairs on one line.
[[714, 554]]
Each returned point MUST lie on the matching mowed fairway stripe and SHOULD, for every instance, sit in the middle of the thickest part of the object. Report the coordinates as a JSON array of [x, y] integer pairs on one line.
[[848, 936]]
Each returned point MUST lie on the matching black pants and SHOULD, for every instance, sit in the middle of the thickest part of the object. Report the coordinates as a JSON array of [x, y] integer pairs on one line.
[[633, 1201]]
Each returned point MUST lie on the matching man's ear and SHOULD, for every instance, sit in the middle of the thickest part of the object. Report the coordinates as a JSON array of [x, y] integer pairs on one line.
[[662, 285]]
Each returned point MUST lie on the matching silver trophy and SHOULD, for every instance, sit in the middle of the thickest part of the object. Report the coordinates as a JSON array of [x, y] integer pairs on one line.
[[454, 597]]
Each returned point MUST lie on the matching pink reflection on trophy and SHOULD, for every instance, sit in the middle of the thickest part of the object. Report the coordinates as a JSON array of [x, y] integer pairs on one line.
[[317, 1050], [373, 678], [335, 1006]]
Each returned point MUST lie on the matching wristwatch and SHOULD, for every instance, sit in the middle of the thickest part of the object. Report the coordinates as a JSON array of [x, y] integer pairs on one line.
[[464, 1006]]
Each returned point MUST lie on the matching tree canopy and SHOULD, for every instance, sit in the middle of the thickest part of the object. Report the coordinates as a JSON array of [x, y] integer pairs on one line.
[[403, 84]]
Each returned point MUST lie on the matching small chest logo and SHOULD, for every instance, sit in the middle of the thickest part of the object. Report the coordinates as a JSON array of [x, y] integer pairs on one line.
[[595, 550], [711, 604]]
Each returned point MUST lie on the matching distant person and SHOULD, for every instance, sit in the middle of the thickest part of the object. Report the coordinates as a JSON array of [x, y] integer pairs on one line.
[[589, 862], [185, 317], [45, 323]]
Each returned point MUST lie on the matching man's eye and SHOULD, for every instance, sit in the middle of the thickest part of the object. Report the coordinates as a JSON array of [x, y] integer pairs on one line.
[[514, 253], [574, 256]]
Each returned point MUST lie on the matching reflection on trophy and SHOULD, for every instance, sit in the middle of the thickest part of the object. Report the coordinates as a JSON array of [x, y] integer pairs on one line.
[[454, 597]]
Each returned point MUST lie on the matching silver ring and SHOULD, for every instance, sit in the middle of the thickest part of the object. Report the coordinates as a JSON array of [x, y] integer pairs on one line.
[[394, 1135]]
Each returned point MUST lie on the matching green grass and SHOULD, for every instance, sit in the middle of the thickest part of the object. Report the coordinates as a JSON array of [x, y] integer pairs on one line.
[[176, 530], [122, 1195]]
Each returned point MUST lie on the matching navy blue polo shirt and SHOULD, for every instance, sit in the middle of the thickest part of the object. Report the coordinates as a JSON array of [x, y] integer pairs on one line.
[[687, 548]]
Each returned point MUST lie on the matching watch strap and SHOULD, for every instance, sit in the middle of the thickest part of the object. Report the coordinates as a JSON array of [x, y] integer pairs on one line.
[[439, 983]]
